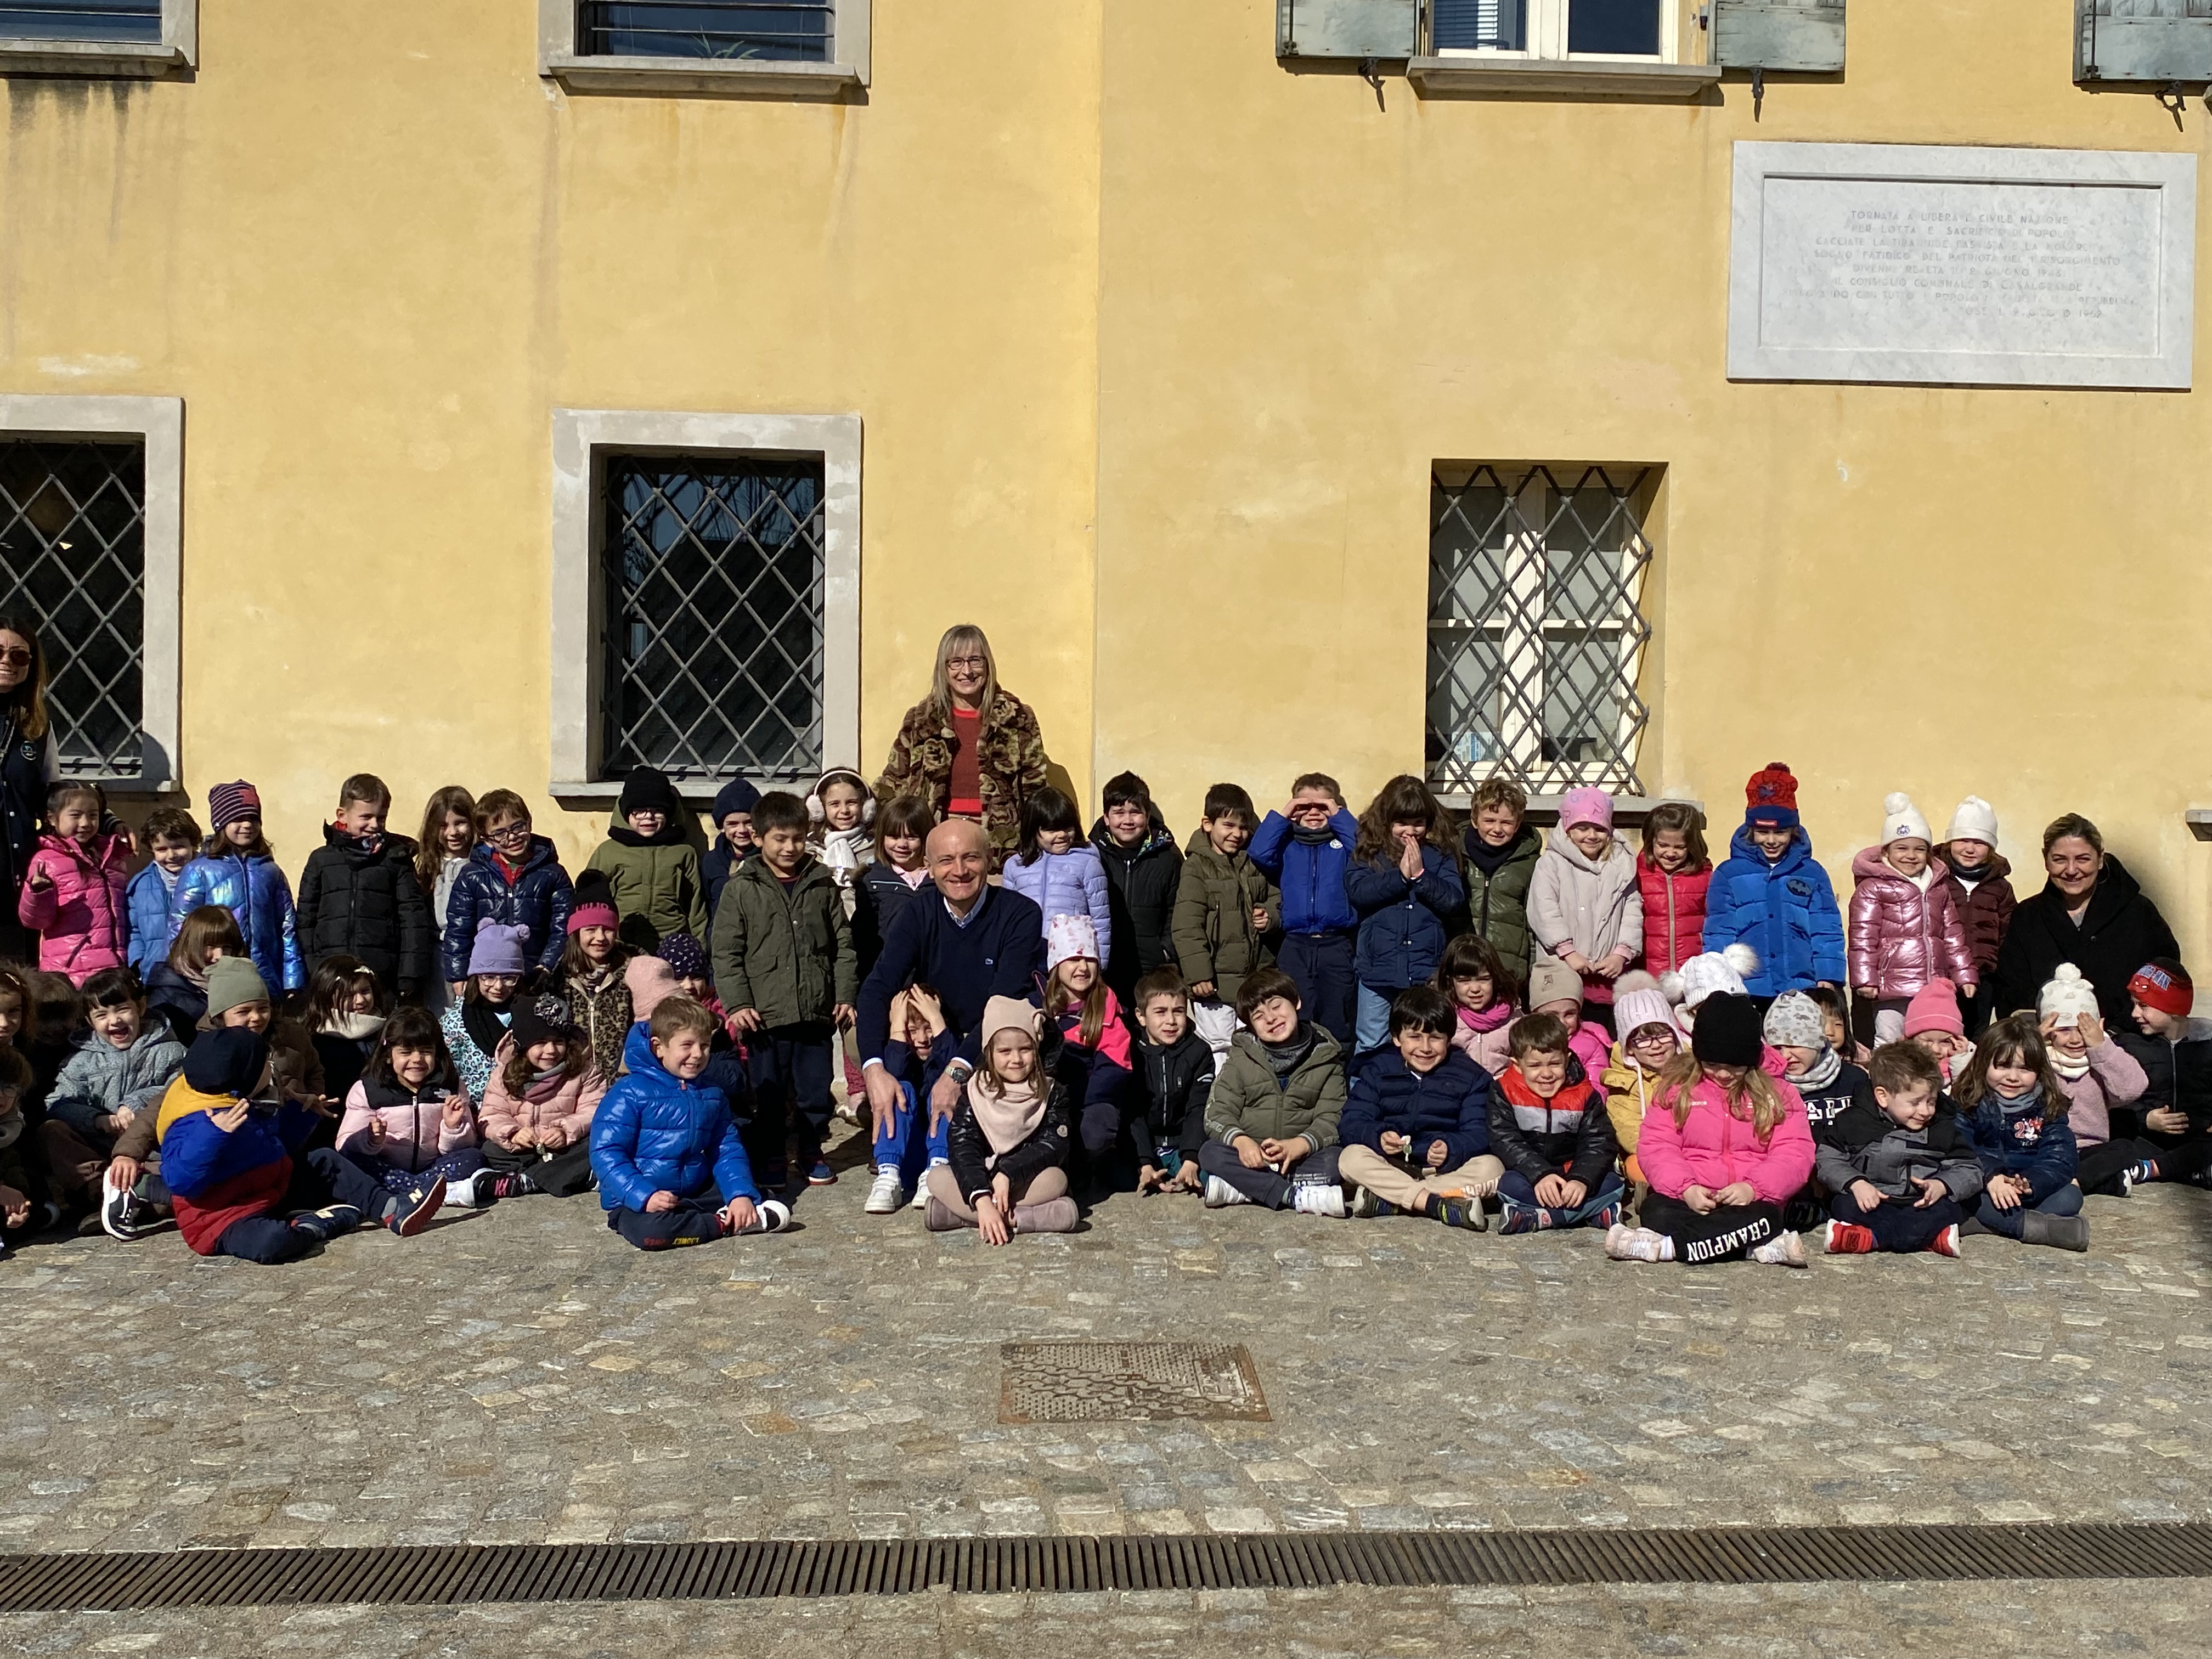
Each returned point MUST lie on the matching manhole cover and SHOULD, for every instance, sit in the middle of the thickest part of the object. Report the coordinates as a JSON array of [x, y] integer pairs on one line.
[[1102, 1381]]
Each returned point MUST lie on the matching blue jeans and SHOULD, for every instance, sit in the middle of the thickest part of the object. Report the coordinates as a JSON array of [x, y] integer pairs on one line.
[[910, 1145], [2067, 1200], [1516, 1188], [1372, 1020]]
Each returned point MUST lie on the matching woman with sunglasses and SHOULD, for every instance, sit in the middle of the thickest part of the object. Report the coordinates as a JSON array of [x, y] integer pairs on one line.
[[29, 762], [970, 748]]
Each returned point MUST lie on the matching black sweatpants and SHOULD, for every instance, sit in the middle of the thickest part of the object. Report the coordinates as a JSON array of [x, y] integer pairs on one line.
[[2098, 1170], [564, 1174], [1263, 1186], [1320, 965], [693, 1221], [1898, 1227], [322, 1177], [1727, 1234], [790, 1068], [2179, 1157]]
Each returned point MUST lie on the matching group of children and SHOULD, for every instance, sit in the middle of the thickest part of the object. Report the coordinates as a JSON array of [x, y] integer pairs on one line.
[[1385, 1014]]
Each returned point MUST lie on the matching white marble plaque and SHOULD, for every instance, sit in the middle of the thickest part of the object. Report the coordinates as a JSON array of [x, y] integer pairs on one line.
[[1961, 266]]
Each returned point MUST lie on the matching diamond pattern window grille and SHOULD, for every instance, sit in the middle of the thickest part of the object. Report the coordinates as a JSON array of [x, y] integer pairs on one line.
[[81, 19], [1536, 626], [73, 556], [713, 567], [780, 30]]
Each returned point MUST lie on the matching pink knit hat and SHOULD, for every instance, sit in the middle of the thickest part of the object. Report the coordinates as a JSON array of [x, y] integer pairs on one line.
[[1586, 806], [652, 983], [1934, 1007]]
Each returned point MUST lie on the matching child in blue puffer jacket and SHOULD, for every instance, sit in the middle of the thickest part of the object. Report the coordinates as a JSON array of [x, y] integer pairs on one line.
[[1056, 869], [236, 870], [1305, 850], [665, 1146], [1771, 896], [1404, 880], [174, 841], [2014, 1108]]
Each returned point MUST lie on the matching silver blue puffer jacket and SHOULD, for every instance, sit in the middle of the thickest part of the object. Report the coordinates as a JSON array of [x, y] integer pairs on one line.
[[252, 889]]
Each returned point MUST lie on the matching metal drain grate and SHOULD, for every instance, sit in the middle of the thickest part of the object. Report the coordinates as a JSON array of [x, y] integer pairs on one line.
[[123, 1582], [1120, 1381]]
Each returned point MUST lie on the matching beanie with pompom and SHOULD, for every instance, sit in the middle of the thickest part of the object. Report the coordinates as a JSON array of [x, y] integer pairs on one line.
[[2067, 997], [1901, 819], [1771, 797]]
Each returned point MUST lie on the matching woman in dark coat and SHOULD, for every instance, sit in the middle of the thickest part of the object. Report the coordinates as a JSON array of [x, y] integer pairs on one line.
[[2091, 912], [28, 764]]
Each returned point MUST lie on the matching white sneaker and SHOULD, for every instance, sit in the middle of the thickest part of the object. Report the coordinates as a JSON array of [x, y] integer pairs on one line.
[[462, 1194], [1625, 1244], [920, 1201], [770, 1215], [1219, 1193], [1318, 1198], [887, 1195], [1787, 1251]]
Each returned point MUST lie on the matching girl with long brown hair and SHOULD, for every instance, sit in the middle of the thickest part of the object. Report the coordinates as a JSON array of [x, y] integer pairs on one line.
[[1404, 882]]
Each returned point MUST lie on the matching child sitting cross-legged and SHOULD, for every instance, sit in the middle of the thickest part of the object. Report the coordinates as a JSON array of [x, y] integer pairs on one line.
[[539, 1105], [913, 1139], [407, 1124], [122, 1067], [1009, 1137], [2175, 1051], [1896, 1165], [1724, 1147], [1934, 1020], [1416, 1129], [1093, 1060], [1797, 1030], [1178, 1068], [2014, 1110], [2098, 1074], [671, 1166], [1271, 1120], [1552, 1136]]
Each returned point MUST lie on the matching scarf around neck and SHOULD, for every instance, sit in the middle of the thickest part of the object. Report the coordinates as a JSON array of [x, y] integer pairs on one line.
[[1286, 1057], [485, 1025], [1490, 1018], [2072, 1070], [1821, 1072], [1487, 858], [1008, 1118], [1306, 837]]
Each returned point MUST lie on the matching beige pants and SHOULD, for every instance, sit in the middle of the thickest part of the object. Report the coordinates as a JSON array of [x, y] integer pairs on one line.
[[1394, 1183], [1045, 1186]]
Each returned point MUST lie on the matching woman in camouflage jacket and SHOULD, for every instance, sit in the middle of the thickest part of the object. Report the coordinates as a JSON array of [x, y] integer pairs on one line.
[[966, 716]]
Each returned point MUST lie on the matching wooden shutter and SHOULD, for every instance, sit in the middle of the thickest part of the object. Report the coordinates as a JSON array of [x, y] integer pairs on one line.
[[1347, 28], [1805, 35], [2159, 40]]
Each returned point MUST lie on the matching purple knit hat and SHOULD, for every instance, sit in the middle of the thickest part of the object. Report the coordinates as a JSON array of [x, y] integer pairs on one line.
[[498, 949], [229, 802]]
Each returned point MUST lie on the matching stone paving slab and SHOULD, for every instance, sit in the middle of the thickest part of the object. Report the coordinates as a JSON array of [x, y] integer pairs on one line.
[[520, 1375]]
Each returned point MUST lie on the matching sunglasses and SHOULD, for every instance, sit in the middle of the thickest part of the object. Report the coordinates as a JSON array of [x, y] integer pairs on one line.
[[15, 656]]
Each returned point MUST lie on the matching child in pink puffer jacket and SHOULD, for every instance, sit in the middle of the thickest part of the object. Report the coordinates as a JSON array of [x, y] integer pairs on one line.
[[1905, 925], [74, 889]]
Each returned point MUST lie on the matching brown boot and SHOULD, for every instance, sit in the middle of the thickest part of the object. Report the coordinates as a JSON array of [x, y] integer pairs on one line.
[[939, 1218], [1055, 1215]]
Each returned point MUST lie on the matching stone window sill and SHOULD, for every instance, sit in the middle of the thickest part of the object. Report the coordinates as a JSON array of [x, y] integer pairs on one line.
[[693, 792], [93, 58], [1552, 77], [1545, 809], [685, 74]]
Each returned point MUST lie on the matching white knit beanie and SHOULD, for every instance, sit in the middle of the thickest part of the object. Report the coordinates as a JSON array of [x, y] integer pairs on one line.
[[1901, 820], [1975, 820], [2067, 997], [1700, 976], [1067, 937]]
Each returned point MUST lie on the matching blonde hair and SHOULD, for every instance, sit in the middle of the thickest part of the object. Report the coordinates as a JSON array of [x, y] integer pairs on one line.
[[1679, 1077], [965, 640]]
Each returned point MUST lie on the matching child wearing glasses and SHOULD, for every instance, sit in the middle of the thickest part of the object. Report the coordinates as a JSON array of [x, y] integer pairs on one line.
[[513, 878]]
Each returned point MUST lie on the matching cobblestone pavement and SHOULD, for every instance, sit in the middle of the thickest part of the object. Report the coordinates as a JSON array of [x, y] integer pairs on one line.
[[521, 1375]]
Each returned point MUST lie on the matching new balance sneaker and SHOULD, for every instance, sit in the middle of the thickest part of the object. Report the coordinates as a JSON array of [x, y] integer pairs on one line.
[[123, 1215], [408, 1216], [1219, 1193], [819, 1174], [1523, 1217], [1322, 1198], [1787, 1251], [515, 1183], [887, 1195], [1611, 1214], [327, 1223], [1946, 1242], [1846, 1238]]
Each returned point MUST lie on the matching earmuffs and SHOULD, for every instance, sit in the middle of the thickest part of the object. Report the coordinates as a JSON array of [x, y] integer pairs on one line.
[[814, 811]]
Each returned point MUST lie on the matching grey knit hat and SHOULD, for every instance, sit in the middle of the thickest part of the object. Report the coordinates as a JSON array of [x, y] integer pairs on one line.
[[1794, 1022]]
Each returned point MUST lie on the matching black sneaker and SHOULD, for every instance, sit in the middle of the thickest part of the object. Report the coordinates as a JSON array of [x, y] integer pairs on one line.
[[515, 1184], [327, 1223], [410, 1215], [121, 1214]]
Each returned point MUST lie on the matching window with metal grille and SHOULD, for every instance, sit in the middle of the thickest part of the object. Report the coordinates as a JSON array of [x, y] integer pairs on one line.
[[73, 556], [713, 567], [782, 30], [81, 19], [1554, 29], [1536, 625]]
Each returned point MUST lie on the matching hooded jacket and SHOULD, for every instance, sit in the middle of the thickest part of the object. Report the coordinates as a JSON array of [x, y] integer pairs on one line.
[[1497, 905], [82, 919], [2121, 931], [1248, 1100], [655, 880], [1214, 938], [787, 953], [2015, 1142], [538, 898], [1451, 1104], [1142, 884], [1178, 1080], [216, 1178], [1010, 764], [1904, 934], [1569, 1134], [1629, 1087], [655, 1133], [1862, 1144], [563, 1103], [253, 890], [416, 1135], [368, 905], [1673, 913], [1985, 912], [1070, 883], [1309, 872], [1402, 924], [1786, 911], [99, 1079], [1595, 907], [1713, 1148]]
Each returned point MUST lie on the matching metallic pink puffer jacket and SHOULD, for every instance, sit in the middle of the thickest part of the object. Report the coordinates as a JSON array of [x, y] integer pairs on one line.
[[1901, 938]]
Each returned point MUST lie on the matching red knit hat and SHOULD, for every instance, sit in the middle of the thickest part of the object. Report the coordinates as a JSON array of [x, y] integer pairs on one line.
[[2164, 985], [1771, 797]]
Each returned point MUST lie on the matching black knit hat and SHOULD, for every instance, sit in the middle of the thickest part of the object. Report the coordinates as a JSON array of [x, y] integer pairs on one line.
[[645, 788], [1728, 1031], [227, 1062], [541, 1020]]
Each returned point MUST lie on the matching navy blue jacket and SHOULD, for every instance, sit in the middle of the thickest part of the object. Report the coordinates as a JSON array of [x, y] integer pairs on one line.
[[716, 869], [1450, 1104], [999, 953], [538, 900], [2022, 1144], [1785, 911], [1402, 927], [25, 763], [1310, 874], [655, 1132], [879, 894]]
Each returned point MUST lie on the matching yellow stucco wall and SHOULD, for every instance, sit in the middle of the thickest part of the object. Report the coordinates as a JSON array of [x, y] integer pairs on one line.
[[1155, 342]]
